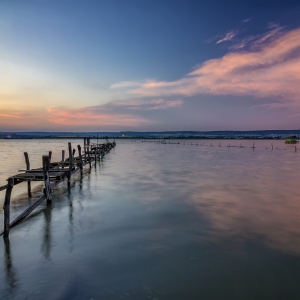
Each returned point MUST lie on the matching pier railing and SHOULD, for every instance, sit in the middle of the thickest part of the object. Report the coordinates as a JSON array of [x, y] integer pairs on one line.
[[52, 174]]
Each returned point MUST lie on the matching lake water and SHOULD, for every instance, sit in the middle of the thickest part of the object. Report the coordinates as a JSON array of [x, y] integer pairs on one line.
[[158, 221]]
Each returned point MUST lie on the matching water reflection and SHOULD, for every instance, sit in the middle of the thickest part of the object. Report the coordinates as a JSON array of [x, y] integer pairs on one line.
[[10, 274], [47, 237], [71, 225]]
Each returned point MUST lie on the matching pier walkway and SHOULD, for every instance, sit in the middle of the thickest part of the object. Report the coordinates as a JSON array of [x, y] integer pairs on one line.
[[52, 174]]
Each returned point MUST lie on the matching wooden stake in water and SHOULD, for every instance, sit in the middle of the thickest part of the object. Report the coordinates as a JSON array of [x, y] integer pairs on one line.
[[63, 158], [70, 163], [6, 206], [28, 168], [47, 188], [80, 158]]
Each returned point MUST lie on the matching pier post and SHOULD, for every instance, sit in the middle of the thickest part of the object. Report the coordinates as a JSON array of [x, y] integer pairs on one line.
[[6, 206], [63, 158], [47, 188], [28, 168], [50, 155], [95, 156], [89, 157], [70, 163], [80, 158]]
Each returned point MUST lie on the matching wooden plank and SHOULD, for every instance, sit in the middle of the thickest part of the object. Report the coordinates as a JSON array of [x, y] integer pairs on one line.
[[3, 187]]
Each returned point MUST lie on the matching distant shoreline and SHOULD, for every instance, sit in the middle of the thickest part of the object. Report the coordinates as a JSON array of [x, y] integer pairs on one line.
[[163, 135], [144, 138]]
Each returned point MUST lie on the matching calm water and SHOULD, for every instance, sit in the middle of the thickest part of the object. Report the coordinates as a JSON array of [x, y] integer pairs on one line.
[[157, 221]]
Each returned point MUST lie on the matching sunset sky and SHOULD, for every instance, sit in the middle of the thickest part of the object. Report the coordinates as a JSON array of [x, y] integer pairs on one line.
[[112, 65]]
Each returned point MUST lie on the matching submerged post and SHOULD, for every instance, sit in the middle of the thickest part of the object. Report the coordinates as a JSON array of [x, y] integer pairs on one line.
[[28, 168], [47, 188], [6, 206]]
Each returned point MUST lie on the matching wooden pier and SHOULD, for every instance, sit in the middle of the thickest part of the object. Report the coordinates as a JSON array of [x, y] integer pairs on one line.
[[52, 174]]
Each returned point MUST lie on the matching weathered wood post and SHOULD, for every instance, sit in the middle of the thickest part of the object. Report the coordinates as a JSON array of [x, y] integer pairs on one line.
[[28, 168], [95, 156], [6, 206], [47, 188], [70, 163], [89, 157], [85, 147], [50, 155], [63, 158], [80, 158], [73, 154]]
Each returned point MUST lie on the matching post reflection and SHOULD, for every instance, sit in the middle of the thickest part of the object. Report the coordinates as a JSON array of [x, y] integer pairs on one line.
[[71, 225], [47, 237], [10, 274]]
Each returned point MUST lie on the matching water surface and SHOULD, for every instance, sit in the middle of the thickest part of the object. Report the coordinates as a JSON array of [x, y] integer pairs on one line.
[[155, 221]]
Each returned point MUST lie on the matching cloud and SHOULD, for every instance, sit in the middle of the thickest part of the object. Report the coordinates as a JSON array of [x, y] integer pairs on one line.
[[271, 68], [91, 116], [228, 37], [11, 116], [146, 104], [124, 84], [247, 20]]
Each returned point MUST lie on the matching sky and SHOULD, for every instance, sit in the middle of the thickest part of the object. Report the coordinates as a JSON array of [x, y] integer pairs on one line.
[[141, 65]]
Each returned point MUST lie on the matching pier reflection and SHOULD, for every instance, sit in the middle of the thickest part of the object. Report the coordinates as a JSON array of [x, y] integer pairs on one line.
[[71, 225], [10, 274], [47, 237]]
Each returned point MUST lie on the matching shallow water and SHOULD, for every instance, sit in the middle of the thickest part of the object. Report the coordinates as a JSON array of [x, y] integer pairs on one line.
[[155, 221]]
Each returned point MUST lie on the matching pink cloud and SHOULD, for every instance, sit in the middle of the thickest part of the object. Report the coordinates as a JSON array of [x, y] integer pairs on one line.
[[272, 70], [11, 116], [90, 116]]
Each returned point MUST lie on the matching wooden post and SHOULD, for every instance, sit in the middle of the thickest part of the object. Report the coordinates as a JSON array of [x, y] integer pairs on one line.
[[70, 163], [74, 151], [28, 168], [63, 157], [89, 157], [47, 188], [80, 158], [95, 156], [50, 155], [6, 206]]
